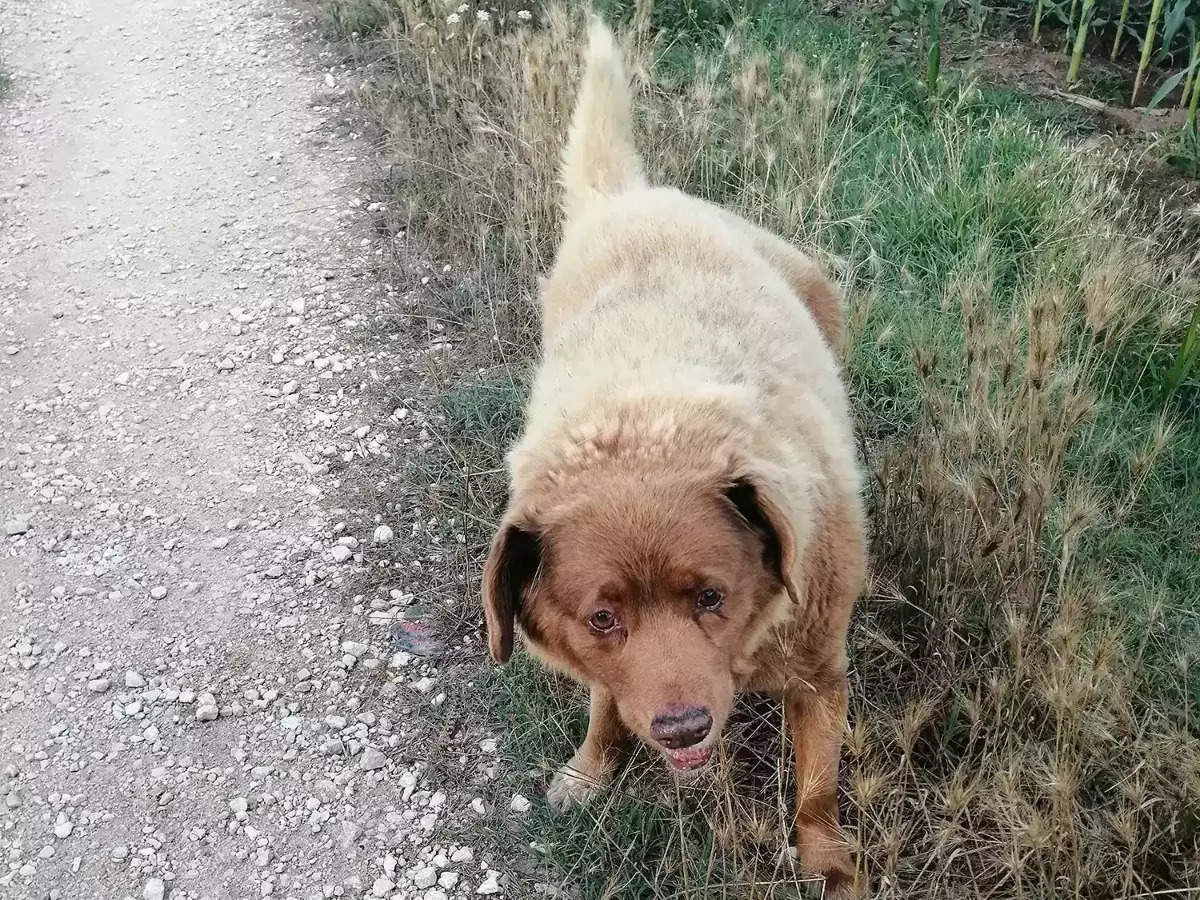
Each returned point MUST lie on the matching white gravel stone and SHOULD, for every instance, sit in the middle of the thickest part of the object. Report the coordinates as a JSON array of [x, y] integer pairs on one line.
[[519, 803], [425, 877], [371, 759], [340, 553], [154, 889], [383, 534], [425, 685], [350, 833], [491, 883], [134, 679], [206, 708]]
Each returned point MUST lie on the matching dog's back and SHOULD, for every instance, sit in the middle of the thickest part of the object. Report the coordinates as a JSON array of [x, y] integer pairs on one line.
[[655, 292], [601, 165]]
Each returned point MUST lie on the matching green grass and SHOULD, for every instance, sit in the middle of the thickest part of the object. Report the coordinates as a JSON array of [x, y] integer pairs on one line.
[[1025, 696]]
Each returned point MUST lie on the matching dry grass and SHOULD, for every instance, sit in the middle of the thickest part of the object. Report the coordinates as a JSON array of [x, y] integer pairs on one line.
[[1024, 712]]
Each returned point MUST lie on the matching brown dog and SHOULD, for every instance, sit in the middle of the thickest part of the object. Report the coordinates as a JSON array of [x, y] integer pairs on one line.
[[685, 519]]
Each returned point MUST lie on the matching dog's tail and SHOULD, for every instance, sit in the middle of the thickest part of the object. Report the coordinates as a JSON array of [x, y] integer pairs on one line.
[[600, 159]]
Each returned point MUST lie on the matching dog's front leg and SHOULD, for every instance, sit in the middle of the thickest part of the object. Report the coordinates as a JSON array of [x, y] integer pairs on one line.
[[592, 767], [817, 720]]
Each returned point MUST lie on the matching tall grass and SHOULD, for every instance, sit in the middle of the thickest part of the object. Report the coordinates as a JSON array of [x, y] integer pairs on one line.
[[1025, 697]]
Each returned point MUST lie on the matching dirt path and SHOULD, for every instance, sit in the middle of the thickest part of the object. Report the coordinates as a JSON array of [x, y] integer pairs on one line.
[[189, 701]]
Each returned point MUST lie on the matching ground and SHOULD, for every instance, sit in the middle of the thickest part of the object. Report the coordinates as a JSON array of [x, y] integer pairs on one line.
[[191, 700]]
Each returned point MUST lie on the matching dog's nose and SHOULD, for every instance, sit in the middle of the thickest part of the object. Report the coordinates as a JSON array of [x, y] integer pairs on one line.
[[681, 727]]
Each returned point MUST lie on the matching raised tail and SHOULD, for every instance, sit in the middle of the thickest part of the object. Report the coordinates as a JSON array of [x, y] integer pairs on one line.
[[600, 159]]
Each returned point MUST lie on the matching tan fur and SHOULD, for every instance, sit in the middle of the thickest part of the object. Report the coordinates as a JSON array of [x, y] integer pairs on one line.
[[688, 429], [600, 158]]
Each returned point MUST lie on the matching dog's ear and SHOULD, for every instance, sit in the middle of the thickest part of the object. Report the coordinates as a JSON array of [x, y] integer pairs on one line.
[[760, 507], [512, 565]]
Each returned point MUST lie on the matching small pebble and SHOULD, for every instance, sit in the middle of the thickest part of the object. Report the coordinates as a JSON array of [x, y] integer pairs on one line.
[[371, 759]]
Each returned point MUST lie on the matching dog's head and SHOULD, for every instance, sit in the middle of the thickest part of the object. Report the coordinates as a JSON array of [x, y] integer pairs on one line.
[[656, 587]]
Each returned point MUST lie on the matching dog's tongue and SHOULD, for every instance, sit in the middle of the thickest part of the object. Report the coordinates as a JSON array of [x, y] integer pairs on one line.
[[689, 757]]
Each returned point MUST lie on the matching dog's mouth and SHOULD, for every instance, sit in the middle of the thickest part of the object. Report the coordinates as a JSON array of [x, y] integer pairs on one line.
[[688, 758]]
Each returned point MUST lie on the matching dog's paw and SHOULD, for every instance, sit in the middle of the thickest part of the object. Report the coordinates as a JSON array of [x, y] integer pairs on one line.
[[838, 879], [574, 785]]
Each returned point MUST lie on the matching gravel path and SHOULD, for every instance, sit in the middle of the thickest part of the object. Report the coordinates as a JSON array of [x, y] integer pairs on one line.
[[191, 704]]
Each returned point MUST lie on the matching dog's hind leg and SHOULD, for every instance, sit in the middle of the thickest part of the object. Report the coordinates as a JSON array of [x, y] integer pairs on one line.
[[816, 721], [591, 768]]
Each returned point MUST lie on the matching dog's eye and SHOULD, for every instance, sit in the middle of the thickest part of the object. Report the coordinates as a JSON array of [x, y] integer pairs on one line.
[[602, 621], [710, 599]]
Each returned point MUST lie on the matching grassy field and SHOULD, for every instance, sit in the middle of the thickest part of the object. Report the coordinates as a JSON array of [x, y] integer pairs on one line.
[[1026, 690]]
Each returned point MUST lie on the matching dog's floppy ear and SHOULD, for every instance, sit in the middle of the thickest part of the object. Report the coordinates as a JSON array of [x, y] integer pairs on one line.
[[761, 507], [512, 564]]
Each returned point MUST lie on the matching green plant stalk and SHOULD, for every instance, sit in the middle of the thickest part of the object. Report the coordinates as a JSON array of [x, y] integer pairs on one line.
[[933, 65], [1120, 30], [1085, 19], [1147, 48], [1189, 350], [1037, 19], [1191, 116], [1070, 24], [1190, 81]]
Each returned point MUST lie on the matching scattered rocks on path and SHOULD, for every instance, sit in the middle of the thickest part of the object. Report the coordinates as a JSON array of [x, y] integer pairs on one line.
[[218, 680]]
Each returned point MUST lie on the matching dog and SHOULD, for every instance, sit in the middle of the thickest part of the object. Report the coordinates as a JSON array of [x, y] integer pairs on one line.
[[684, 517]]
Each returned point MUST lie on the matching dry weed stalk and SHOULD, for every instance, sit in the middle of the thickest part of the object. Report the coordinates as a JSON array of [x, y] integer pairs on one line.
[[1040, 705]]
